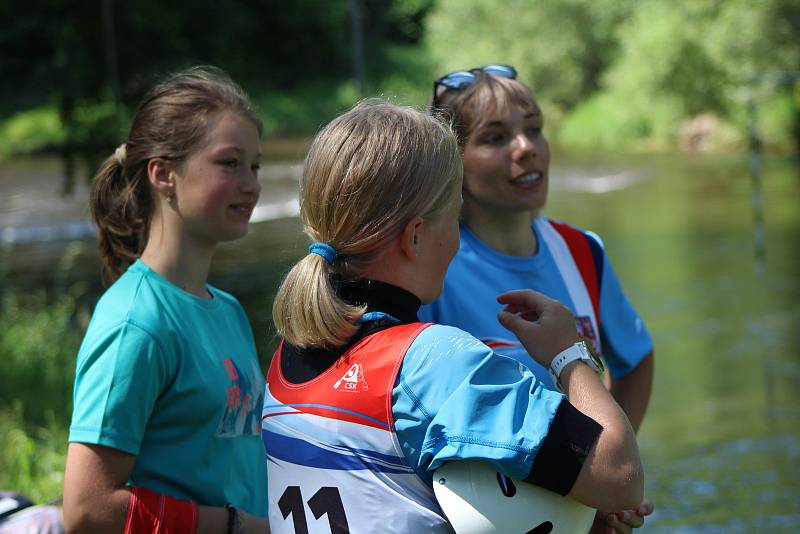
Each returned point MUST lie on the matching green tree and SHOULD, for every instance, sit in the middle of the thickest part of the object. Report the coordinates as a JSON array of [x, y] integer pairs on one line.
[[560, 47], [68, 55], [681, 59]]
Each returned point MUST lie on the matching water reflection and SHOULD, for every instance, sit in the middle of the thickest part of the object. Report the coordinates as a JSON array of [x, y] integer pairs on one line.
[[721, 442]]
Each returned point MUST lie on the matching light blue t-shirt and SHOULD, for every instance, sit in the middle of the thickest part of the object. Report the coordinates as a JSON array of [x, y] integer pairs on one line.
[[173, 379], [478, 274], [456, 399]]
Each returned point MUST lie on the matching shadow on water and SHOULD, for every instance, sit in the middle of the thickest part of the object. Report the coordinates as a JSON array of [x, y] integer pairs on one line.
[[721, 441]]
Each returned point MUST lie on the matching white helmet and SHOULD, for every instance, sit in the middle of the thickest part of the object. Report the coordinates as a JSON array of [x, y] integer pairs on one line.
[[478, 500]]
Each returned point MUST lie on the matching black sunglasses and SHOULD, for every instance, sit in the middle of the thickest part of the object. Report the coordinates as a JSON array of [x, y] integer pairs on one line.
[[464, 78]]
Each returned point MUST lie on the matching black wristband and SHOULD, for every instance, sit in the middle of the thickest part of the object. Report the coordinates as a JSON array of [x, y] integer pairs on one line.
[[569, 440], [232, 516]]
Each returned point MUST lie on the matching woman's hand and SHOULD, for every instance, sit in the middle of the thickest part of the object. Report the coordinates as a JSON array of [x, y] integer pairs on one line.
[[611, 477], [543, 325], [621, 522]]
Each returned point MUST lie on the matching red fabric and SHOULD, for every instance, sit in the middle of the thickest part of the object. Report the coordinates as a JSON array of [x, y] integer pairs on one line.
[[150, 512], [582, 254], [362, 374]]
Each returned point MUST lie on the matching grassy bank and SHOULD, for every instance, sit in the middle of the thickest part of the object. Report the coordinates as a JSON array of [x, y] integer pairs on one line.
[[38, 340]]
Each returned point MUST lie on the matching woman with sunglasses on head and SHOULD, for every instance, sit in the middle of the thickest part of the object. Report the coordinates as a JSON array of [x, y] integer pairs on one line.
[[364, 402], [165, 431], [506, 242]]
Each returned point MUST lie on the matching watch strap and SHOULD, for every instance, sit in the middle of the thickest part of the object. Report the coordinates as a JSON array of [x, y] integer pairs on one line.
[[576, 352]]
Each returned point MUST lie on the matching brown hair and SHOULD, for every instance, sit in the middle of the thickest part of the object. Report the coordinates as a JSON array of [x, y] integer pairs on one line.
[[367, 173], [488, 93], [172, 120]]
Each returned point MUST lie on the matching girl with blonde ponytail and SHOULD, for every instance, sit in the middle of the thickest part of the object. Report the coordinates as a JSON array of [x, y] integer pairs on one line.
[[364, 402], [165, 431], [361, 181]]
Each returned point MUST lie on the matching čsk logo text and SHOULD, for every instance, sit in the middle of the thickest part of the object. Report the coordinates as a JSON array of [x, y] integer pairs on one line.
[[353, 380]]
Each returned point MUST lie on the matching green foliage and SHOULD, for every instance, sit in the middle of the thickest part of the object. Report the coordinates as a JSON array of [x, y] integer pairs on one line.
[[749, 38], [412, 82], [776, 117], [96, 125], [298, 56], [91, 128], [607, 121], [32, 458], [685, 58], [625, 74], [560, 47], [651, 65], [664, 53], [38, 341], [31, 131], [305, 110]]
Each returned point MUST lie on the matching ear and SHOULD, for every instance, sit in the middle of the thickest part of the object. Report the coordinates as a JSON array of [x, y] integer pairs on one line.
[[161, 177], [411, 237]]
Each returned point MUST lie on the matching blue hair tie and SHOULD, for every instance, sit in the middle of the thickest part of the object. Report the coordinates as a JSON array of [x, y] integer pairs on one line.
[[324, 250]]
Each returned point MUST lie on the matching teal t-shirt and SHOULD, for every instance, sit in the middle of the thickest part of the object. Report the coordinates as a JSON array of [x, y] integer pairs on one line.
[[173, 379]]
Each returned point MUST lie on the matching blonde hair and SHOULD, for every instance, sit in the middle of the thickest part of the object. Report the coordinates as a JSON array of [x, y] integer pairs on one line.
[[173, 119], [367, 173], [486, 95]]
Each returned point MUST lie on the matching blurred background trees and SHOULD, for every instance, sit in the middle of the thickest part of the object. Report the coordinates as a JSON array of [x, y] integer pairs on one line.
[[609, 73], [626, 74]]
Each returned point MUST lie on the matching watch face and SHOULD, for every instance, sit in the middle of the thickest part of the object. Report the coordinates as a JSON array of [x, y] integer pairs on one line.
[[598, 363]]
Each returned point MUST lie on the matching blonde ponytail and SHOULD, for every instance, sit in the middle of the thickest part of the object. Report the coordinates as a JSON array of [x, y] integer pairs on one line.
[[326, 321], [367, 173]]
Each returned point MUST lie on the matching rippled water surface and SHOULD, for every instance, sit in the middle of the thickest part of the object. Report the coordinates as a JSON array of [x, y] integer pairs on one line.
[[721, 441]]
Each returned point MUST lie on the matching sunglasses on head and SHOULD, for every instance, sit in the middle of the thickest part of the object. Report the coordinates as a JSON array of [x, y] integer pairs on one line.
[[464, 78]]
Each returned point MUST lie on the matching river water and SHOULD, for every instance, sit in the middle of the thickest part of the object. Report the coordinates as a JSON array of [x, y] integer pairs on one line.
[[721, 440]]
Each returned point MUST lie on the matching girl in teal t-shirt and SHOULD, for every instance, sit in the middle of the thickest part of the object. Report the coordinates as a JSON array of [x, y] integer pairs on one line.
[[168, 391]]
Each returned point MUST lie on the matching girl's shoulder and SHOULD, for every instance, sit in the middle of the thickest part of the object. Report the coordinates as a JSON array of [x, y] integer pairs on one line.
[[129, 293], [442, 349], [128, 306], [143, 298], [565, 229], [437, 333]]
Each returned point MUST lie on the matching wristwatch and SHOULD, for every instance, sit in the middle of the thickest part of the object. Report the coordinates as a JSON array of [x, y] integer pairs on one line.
[[580, 351]]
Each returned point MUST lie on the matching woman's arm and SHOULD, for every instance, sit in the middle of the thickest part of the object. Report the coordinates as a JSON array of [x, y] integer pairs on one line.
[[632, 391], [611, 477], [96, 497]]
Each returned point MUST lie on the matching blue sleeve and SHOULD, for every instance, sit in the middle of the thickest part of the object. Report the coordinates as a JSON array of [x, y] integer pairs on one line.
[[624, 338], [120, 374], [456, 399]]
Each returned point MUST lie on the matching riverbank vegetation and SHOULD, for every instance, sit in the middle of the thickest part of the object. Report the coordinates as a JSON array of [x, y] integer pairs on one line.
[[621, 74], [38, 340]]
